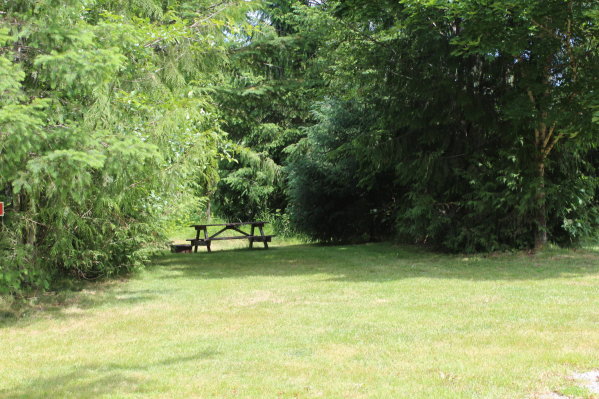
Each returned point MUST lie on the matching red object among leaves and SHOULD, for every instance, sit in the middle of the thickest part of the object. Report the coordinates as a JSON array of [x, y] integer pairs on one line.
[[1, 208]]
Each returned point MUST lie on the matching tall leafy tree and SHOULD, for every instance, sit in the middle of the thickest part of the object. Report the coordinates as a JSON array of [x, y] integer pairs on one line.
[[550, 63], [106, 124], [459, 90], [265, 107]]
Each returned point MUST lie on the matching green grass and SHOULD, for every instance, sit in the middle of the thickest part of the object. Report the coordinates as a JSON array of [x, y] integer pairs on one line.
[[301, 321], [574, 391]]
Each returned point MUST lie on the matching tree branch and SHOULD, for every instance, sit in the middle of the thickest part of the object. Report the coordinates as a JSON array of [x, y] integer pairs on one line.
[[549, 135], [553, 143]]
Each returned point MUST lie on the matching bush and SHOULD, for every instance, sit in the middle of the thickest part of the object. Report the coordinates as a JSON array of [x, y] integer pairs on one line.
[[330, 200]]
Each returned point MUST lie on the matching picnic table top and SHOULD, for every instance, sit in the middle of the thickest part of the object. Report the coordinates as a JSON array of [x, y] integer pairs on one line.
[[228, 224]]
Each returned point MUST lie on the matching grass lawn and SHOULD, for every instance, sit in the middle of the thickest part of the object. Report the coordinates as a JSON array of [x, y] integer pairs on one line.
[[302, 321]]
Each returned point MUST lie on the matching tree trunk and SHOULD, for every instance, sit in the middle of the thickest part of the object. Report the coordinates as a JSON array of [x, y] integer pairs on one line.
[[545, 140], [541, 208]]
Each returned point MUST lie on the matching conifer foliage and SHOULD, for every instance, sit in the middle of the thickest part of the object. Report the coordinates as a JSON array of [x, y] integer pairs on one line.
[[106, 125]]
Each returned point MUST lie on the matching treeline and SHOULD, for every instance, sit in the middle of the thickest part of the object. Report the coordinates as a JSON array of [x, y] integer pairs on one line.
[[464, 125]]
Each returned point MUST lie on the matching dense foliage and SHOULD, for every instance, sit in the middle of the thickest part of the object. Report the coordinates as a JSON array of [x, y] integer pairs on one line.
[[465, 125], [476, 120], [107, 127], [273, 83], [333, 197]]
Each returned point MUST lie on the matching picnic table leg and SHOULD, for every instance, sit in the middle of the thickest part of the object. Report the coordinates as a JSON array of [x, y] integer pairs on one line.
[[262, 234], [206, 238], [251, 239], [195, 249]]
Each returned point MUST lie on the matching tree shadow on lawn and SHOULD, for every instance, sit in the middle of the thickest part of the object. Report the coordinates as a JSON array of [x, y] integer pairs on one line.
[[377, 262], [99, 379], [74, 302]]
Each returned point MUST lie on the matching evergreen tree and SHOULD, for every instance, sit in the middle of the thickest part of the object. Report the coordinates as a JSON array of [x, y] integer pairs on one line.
[[107, 124]]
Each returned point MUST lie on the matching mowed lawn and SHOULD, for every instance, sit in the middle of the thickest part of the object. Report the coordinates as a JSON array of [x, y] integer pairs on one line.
[[302, 321]]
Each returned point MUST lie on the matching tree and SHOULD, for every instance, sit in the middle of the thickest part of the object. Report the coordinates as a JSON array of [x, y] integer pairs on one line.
[[548, 50], [454, 114], [266, 104], [106, 125]]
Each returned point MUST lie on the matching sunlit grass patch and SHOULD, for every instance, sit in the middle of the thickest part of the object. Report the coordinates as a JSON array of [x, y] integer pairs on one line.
[[308, 321]]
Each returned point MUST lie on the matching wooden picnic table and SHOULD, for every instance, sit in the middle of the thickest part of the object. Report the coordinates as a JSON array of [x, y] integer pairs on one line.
[[206, 239]]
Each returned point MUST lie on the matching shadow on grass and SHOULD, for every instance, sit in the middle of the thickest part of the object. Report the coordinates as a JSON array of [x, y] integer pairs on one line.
[[74, 384], [96, 379], [378, 263], [74, 303]]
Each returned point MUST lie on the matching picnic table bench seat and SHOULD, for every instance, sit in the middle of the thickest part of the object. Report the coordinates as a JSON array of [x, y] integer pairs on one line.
[[251, 237], [254, 238]]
